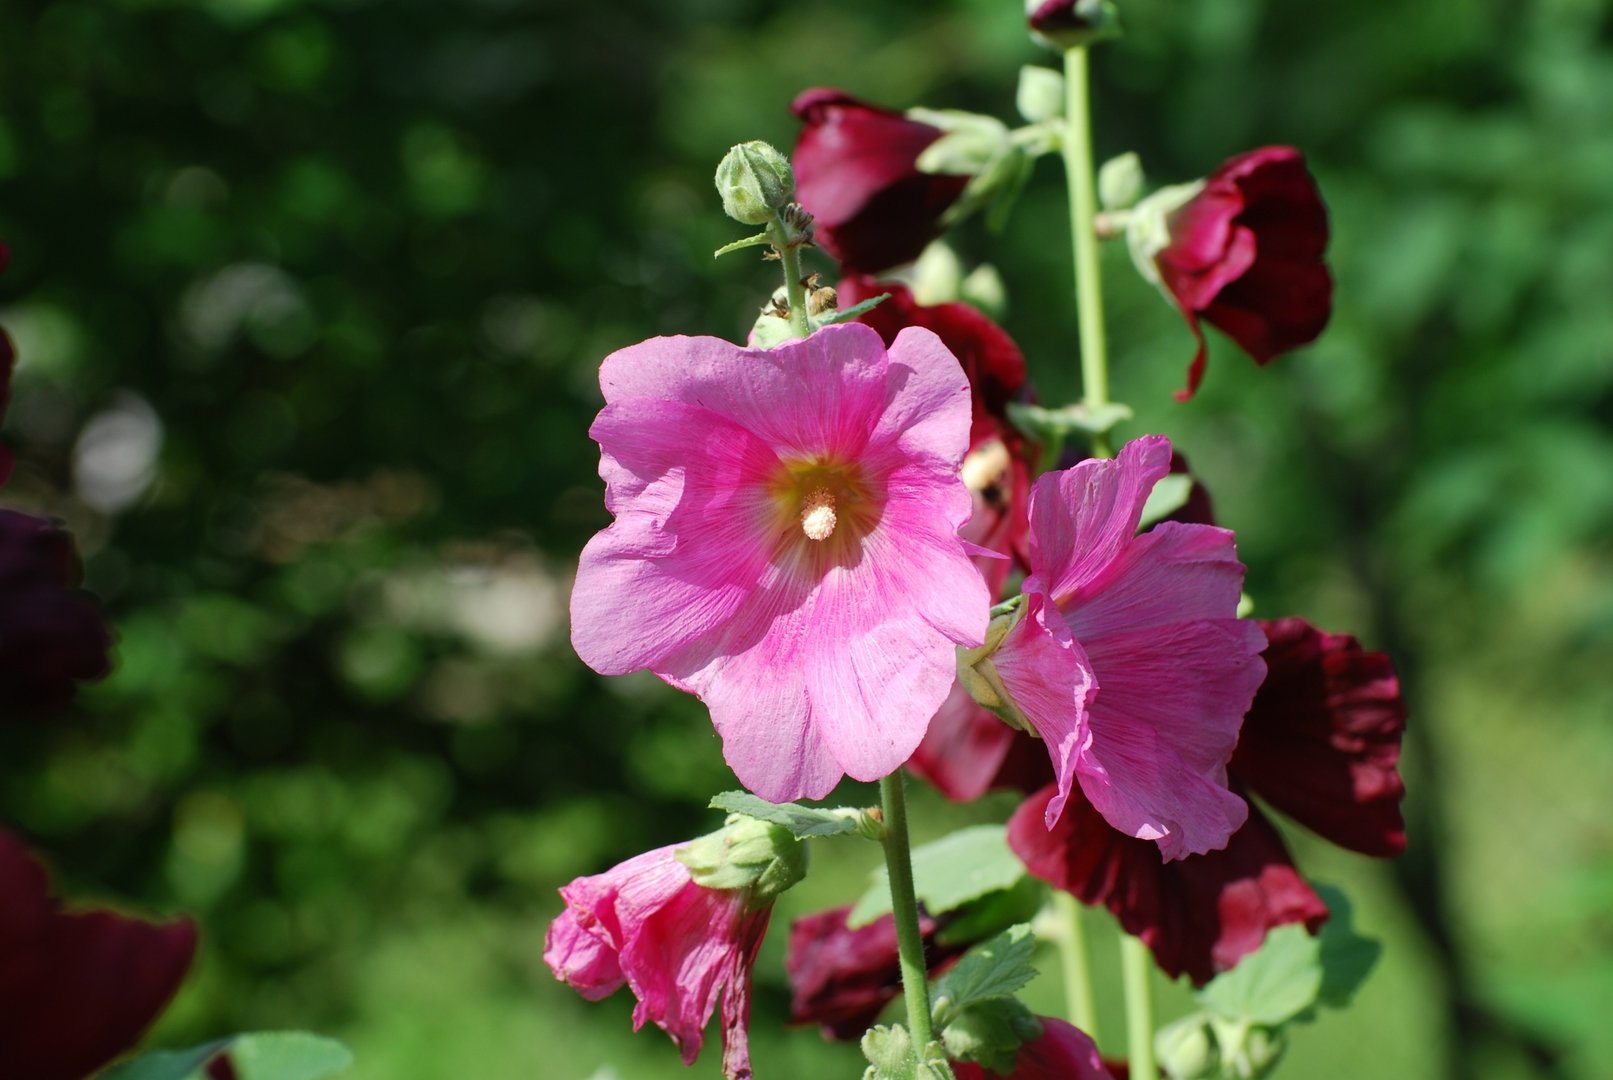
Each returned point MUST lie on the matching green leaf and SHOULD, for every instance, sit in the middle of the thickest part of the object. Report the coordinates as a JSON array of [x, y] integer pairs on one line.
[[1272, 985], [750, 241], [948, 873], [889, 1051], [1347, 957], [1169, 495], [1039, 423], [990, 1033], [994, 912], [992, 969], [802, 822], [267, 1055], [852, 312]]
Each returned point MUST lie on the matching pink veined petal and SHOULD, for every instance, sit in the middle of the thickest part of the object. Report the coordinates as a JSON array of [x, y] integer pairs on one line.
[[1172, 574], [840, 369], [694, 532], [1047, 673], [929, 411], [1164, 724], [737, 994], [1083, 518], [585, 959]]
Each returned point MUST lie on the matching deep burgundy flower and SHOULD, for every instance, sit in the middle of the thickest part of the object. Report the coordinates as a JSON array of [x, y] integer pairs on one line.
[[76, 989], [1322, 741], [52, 635], [856, 171], [1245, 255], [1061, 1052], [1198, 915], [842, 977]]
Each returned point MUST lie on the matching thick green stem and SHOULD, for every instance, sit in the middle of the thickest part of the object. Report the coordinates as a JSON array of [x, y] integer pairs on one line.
[[794, 290], [1080, 1004], [904, 907], [1136, 968], [1082, 183]]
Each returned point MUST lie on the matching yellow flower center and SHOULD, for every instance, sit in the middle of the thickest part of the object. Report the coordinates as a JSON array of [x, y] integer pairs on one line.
[[818, 514]]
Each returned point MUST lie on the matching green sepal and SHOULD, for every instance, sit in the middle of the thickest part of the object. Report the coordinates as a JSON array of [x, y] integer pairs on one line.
[[1045, 425], [990, 1033], [993, 969], [948, 873], [264, 1055], [1187, 1049], [832, 317], [758, 856], [750, 241], [755, 181], [802, 822], [892, 1056]]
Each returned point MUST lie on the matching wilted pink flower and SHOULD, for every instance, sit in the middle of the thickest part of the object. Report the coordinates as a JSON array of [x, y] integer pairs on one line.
[[856, 171], [677, 945], [52, 635], [1322, 741], [842, 977], [1245, 255], [1129, 659], [786, 544], [1061, 1052], [1198, 915], [76, 989]]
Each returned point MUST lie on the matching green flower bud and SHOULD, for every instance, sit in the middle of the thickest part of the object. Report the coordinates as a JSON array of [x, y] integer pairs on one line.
[[1187, 1049], [755, 182], [746, 854], [1041, 93], [1120, 181]]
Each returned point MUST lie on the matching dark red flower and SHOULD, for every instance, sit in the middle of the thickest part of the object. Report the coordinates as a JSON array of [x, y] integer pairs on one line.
[[76, 989], [1062, 1052], [856, 171], [1245, 255], [52, 635], [842, 978], [1198, 915], [1322, 741]]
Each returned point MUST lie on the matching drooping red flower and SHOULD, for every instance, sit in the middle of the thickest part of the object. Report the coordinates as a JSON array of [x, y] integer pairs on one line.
[[856, 172], [52, 635], [1245, 255], [678, 945], [1198, 915], [1062, 1052], [842, 977], [76, 988], [1322, 741]]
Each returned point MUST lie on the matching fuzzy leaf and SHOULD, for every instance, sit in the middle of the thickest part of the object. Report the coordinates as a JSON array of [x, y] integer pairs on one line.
[[267, 1055], [948, 873], [1273, 985], [992, 969], [990, 1033]]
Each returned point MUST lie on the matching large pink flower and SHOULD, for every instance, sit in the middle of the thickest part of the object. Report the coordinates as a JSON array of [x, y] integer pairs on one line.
[[676, 944], [786, 544], [1129, 659]]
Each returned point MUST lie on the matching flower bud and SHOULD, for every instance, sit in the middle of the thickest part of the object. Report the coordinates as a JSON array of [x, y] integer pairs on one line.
[[1064, 24], [1120, 181], [746, 854], [755, 182], [1041, 94], [1187, 1050]]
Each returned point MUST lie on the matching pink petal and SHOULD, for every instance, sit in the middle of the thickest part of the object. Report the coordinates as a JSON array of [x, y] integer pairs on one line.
[[1046, 672], [584, 959]]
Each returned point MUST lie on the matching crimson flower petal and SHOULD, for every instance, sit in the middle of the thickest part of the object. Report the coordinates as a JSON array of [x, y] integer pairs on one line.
[[1061, 1052], [52, 635]]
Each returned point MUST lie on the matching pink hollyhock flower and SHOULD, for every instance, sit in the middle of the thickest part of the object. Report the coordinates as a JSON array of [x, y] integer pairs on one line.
[[842, 977], [76, 989], [1198, 915], [1061, 1052], [856, 171], [52, 635], [1245, 255], [676, 944], [786, 544], [1322, 741], [1128, 658]]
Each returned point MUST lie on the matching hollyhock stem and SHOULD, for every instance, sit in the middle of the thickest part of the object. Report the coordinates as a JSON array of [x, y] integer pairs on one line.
[[1072, 942], [794, 291], [904, 908], [1136, 967], [1082, 184]]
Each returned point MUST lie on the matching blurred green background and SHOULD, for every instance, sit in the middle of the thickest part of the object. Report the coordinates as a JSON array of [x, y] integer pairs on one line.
[[309, 297]]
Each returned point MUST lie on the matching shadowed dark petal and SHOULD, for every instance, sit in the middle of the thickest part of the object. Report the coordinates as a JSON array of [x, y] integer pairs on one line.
[[76, 989], [1322, 740], [1062, 1052], [1198, 915], [52, 635]]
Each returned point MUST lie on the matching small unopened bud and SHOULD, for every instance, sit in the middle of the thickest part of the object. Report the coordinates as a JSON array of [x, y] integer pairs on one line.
[[1041, 93], [1063, 24], [1187, 1049], [755, 182], [1120, 181]]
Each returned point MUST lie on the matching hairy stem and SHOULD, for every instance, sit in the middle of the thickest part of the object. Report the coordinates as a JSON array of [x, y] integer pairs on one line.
[[904, 907], [1082, 184]]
